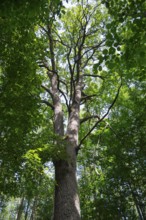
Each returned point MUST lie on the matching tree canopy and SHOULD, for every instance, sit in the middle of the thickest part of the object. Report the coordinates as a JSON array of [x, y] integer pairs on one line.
[[72, 94]]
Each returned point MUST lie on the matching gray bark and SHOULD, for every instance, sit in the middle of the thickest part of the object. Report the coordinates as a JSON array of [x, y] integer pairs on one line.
[[66, 195]]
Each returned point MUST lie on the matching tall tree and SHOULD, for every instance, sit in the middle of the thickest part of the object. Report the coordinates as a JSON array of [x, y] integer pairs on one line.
[[75, 43], [75, 50]]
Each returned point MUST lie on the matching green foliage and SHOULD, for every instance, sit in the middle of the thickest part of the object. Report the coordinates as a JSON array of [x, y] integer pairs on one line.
[[113, 174], [112, 159]]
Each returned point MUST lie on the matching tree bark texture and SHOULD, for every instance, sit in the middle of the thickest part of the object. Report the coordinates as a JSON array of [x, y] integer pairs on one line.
[[66, 195], [66, 205]]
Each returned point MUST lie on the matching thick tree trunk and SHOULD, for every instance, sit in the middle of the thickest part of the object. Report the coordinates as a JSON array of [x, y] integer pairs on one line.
[[67, 205]]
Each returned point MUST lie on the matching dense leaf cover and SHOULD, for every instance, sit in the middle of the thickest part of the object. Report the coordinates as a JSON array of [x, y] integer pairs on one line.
[[111, 152]]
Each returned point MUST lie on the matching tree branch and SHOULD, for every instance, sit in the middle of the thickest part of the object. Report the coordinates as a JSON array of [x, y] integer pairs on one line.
[[87, 97], [100, 120], [72, 86], [88, 118], [48, 104], [45, 65], [58, 87], [47, 90], [66, 101], [60, 40], [65, 84], [43, 29], [93, 47], [92, 32], [88, 59]]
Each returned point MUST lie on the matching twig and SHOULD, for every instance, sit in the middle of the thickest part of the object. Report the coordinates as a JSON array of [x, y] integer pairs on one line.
[[88, 118], [85, 97]]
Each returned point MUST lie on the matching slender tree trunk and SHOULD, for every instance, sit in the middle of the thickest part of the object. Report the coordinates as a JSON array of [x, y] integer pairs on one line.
[[20, 210], [27, 209], [139, 211], [33, 213]]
